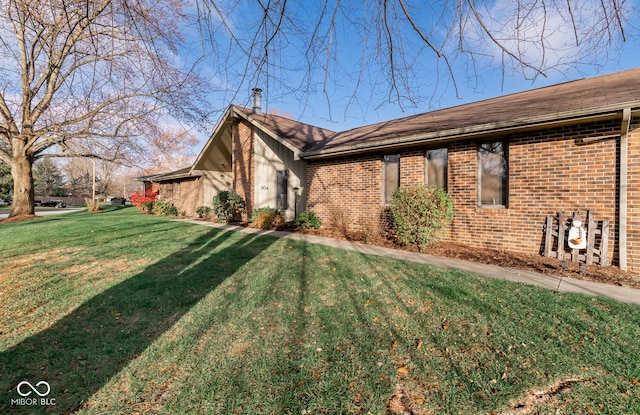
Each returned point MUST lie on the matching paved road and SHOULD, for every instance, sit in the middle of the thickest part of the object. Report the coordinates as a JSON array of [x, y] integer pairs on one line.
[[48, 212]]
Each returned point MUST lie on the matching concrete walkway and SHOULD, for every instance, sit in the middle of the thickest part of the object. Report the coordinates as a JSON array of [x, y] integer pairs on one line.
[[624, 294]]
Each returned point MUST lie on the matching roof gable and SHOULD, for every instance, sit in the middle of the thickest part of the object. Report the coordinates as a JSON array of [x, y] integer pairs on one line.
[[298, 135]]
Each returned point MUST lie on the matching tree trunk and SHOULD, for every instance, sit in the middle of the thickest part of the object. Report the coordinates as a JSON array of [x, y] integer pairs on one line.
[[23, 193]]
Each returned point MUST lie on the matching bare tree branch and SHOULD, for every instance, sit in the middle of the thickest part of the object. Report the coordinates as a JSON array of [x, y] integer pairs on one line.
[[101, 72], [499, 44], [93, 72]]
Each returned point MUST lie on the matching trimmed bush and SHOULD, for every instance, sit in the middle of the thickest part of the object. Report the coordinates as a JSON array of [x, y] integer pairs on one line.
[[308, 220], [203, 212], [256, 213], [227, 204], [421, 214], [147, 207], [268, 220], [165, 208]]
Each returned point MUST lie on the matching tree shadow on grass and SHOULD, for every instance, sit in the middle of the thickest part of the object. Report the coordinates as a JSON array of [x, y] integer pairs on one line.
[[82, 351]]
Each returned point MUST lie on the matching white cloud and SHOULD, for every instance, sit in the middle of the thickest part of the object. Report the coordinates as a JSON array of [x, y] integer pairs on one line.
[[543, 35]]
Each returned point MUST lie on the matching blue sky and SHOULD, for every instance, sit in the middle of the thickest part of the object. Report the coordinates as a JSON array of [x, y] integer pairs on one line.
[[354, 90]]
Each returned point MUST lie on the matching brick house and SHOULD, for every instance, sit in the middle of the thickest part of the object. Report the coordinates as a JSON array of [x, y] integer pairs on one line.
[[258, 155], [182, 187], [507, 163]]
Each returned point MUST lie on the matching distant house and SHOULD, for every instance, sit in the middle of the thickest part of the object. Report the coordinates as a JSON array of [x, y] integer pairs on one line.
[[507, 163], [182, 187]]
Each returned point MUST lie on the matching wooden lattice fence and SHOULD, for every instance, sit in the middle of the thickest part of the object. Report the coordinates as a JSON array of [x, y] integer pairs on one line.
[[556, 244]]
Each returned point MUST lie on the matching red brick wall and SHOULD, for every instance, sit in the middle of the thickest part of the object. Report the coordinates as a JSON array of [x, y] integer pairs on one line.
[[243, 163], [412, 167], [349, 188], [186, 194], [548, 172], [191, 196], [633, 200]]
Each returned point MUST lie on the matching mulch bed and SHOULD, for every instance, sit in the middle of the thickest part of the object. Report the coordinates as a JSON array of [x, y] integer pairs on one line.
[[528, 262], [21, 218]]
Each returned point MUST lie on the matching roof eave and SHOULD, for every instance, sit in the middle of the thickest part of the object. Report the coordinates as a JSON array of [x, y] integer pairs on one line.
[[475, 131], [174, 177], [144, 178]]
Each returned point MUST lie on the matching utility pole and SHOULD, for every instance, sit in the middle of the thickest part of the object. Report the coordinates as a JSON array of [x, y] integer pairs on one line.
[[94, 180]]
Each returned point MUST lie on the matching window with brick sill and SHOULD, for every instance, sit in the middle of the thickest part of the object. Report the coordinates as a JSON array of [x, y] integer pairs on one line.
[[492, 174], [390, 177]]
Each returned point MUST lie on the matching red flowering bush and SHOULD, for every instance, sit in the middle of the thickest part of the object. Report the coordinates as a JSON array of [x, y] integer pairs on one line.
[[144, 202]]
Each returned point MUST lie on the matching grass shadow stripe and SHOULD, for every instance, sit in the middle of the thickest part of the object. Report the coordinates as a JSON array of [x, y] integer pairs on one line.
[[82, 351]]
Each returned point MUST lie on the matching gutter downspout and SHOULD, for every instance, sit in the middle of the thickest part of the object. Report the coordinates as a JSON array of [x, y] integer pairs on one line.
[[622, 213]]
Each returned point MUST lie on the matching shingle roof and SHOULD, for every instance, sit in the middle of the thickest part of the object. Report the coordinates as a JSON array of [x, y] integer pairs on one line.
[[552, 102], [604, 94], [300, 135], [173, 175]]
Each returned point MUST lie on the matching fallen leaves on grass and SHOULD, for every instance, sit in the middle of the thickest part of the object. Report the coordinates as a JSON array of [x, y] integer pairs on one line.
[[400, 403], [20, 218]]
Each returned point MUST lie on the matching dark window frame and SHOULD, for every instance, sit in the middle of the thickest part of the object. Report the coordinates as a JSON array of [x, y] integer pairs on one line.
[[428, 155], [491, 147], [387, 162], [282, 183]]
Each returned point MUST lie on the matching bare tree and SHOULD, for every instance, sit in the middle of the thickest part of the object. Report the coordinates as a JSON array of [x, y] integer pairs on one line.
[[86, 70], [408, 50], [79, 175], [86, 175], [105, 70], [167, 150]]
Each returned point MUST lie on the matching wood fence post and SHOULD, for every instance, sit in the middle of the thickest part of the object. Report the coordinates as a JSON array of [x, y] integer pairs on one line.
[[548, 238], [562, 227], [604, 244], [591, 237]]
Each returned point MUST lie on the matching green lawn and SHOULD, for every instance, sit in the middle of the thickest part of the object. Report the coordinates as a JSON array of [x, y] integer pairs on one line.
[[125, 313]]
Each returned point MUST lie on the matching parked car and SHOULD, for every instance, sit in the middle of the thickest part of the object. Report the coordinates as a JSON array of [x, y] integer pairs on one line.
[[54, 203], [118, 201], [37, 203]]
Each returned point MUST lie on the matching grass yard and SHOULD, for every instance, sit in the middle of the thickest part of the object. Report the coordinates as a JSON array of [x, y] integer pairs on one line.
[[124, 314]]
